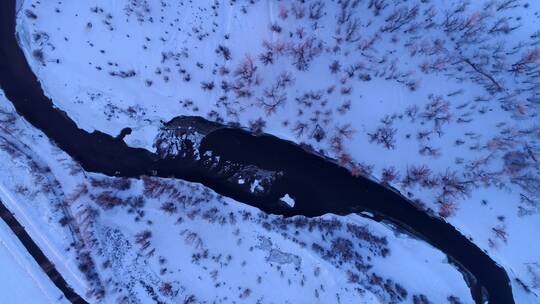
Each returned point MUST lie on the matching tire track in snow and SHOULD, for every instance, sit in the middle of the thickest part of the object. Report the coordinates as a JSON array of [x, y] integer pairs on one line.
[[20, 260], [46, 265], [5, 196]]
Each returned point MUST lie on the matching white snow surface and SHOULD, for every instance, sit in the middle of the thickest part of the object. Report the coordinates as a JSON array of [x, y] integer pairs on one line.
[[431, 85], [22, 280]]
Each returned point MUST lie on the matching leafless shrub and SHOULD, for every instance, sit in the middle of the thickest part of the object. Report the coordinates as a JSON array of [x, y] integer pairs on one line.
[[342, 249], [534, 271], [143, 239], [308, 99], [108, 200], [246, 78], [429, 151], [447, 208], [453, 300], [283, 12], [257, 126], [530, 205], [169, 207], [316, 10], [345, 107], [377, 245], [507, 4], [123, 74], [275, 96], [207, 86], [492, 85], [30, 14], [191, 299], [245, 293], [275, 28], [377, 6], [38, 55], [335, 67], [420, 299], [452, 187], [530, 182], [300, 128], [389, 175], [298, 10], [304, 52], [267, 58], [502, 26], [318, 133], [527, 62], [438, 111], [384, 135], [401, 16], [515, 161], [351, 31], [345, 131], [224, 51], [121, 184], [500, 233], [420, 175]]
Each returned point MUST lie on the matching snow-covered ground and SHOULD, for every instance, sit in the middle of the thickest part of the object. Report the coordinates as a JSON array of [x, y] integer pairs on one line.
[[437, 98], [22, 280], [175, 241]]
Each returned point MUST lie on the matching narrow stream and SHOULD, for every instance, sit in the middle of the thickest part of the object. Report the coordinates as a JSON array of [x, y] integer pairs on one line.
[[318, 185]]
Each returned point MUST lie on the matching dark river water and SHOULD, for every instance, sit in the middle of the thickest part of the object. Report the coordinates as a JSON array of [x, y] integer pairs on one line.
[[318, 185]]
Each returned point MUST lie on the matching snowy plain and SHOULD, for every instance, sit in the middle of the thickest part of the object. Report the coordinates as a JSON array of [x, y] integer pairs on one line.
[[23, 280], [382, 101]]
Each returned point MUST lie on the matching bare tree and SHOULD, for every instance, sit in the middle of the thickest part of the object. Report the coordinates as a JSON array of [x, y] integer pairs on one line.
[[384, 135], [400, 17]]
